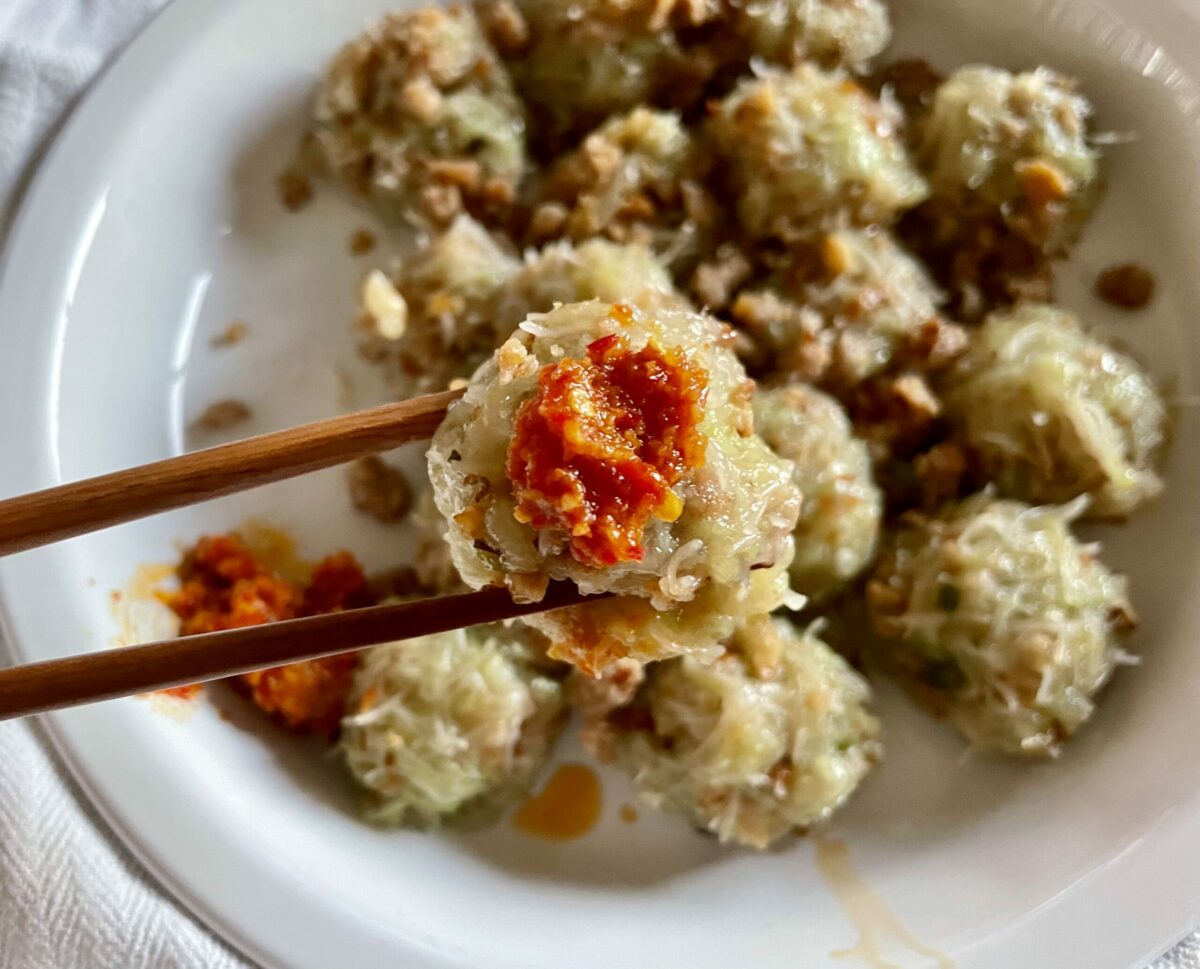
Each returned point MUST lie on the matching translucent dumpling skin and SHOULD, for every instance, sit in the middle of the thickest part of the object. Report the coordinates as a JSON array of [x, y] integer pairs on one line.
[[772, 737], [597, 636], [450, 725], [656, 486], [806, 146], [420, 114], [1053, 413], [996, 618], [842, 507]]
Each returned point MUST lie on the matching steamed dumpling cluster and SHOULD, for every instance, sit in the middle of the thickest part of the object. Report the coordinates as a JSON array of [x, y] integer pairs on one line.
[[753, 331]]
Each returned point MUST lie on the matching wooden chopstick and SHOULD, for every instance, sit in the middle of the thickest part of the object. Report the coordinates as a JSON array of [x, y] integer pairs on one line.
[[94, 503], [103, 675]]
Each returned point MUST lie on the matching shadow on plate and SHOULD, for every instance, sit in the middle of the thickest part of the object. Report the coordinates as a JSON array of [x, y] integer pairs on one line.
[[309, 762]]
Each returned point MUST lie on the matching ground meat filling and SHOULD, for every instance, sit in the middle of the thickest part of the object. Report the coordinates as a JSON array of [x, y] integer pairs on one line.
[[598, 447], [223, 586]]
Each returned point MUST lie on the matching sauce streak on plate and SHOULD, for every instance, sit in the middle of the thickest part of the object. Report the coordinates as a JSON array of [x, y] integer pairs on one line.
[[875, 921], [567, 808], [141, 616]]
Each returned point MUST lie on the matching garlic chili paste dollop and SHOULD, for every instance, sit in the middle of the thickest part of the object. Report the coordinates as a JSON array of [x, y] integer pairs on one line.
[[597, 449], [224, 585]]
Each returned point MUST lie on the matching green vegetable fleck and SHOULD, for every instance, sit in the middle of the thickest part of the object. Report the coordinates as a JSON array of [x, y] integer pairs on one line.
[[943, 674], [947, 597]]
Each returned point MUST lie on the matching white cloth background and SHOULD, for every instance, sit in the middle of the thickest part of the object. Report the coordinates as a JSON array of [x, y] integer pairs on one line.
[[71, 897]]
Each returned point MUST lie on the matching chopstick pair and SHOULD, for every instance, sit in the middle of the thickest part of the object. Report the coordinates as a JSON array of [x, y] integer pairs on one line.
[[74, 509]]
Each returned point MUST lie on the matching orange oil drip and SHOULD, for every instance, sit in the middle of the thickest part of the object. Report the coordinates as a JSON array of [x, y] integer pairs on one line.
[[567, 808]]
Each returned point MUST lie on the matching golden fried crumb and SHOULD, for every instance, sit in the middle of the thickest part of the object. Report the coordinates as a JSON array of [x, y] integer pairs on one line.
[[463, 173], [421, 99], [715, 282], [547, 221], [936, 344], [499, 191], [295, 190], [505, 26], [233, 334], [379, 490], [221, 415], [441, 202], [1042, 182], [916, 395], [941, 472], [1128, 286], [361, 242], [837, 255]]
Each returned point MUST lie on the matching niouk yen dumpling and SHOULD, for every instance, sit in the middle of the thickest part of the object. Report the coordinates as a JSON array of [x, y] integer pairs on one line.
[[994, 616], [563, 272], [588, 59], [435, 319], [636, 178], [808, 148], [1051, 412], [865, 304], [419, 114], [1015, 144], [840, 518], [450, 726], [771, 737], [616, 448], [829, 32]]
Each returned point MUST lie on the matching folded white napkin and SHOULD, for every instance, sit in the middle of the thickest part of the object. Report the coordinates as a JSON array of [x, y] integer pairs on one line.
[[71, 897]]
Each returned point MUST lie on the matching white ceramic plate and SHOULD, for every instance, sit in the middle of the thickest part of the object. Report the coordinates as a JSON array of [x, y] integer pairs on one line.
[[154, 223]]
